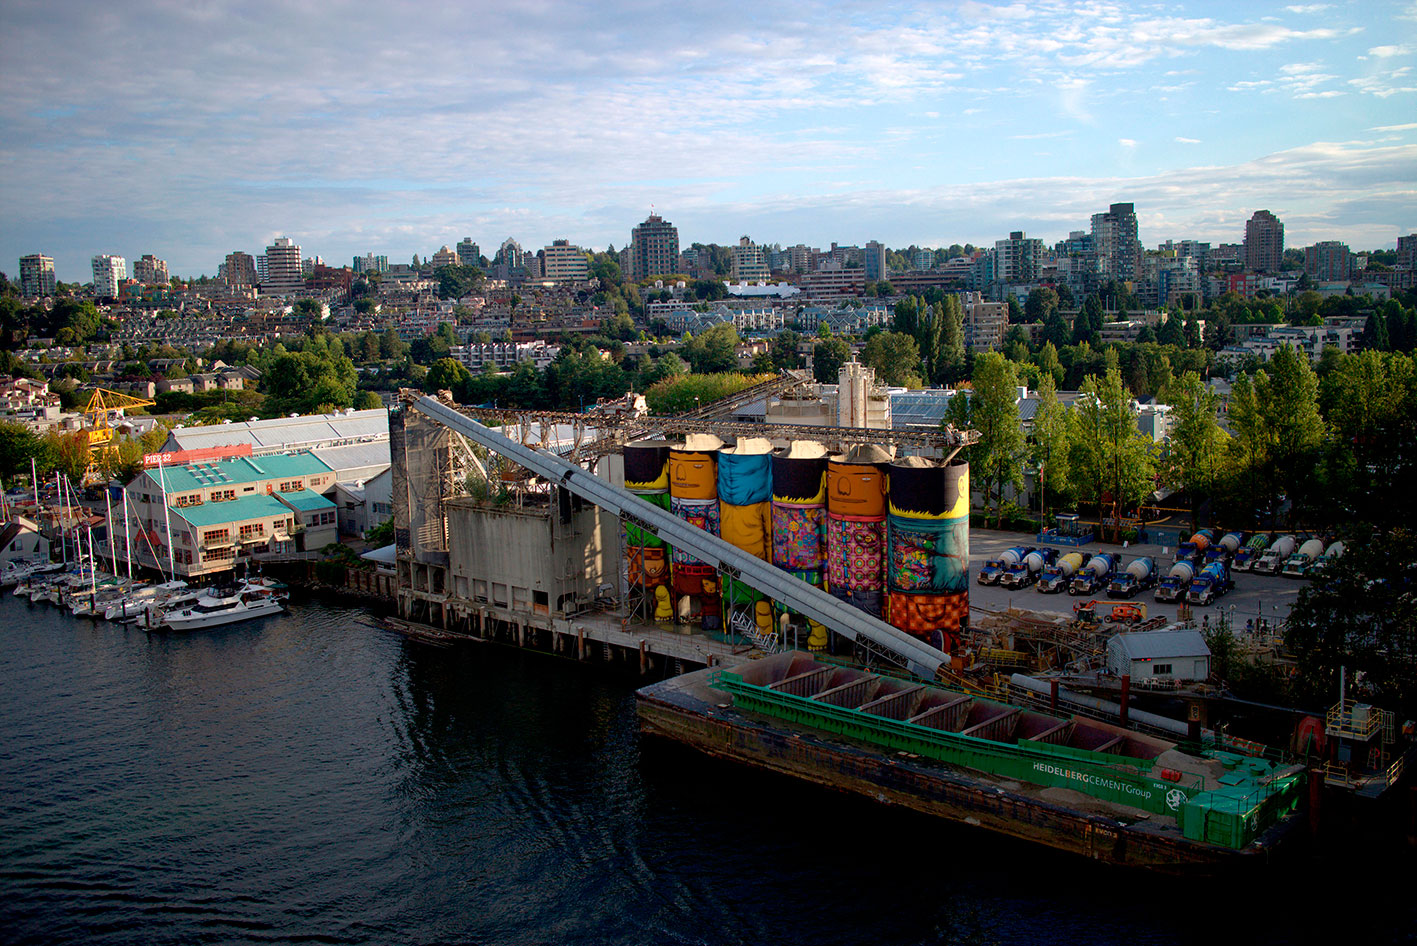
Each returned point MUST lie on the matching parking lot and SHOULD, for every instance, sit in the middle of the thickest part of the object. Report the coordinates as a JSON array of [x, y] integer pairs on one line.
[[1253, 596]]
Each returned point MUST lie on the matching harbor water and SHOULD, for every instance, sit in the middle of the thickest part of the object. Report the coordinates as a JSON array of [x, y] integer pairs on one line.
[[312, 778]]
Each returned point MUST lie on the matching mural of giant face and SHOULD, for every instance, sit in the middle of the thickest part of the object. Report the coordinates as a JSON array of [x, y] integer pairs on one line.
[[856, 489], [692, 475]]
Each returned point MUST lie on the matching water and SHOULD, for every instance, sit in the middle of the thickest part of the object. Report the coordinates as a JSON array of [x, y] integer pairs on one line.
[[310, 778]]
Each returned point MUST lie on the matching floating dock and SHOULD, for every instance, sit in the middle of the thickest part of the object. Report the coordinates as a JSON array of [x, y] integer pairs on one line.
[[1074, 784]]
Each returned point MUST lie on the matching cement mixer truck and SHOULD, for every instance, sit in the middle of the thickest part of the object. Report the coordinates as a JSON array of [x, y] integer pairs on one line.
[[994, 569], [1140, 575], [1225, 549], [1298, 564], [1173, 587], [1055, 577], [1027, 571], [1092, 578], [1250, 552], [1274, 557], [1212, 582], [1193, 550], [1332, 554]]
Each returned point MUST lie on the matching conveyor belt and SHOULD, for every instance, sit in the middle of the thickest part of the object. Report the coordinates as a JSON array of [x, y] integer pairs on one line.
[[915, 655]]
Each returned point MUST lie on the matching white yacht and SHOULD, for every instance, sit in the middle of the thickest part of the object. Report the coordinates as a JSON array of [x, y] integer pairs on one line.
[[212, 610]]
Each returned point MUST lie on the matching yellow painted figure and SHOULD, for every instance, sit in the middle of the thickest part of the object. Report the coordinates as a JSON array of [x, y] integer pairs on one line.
[[663, 607], [817, 640]]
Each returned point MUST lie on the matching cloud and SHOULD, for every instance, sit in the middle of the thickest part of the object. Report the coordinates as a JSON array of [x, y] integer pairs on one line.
[[1306, 8], [1187, 141], [1041, 134], [1387, 52], [1127, 142], [1406, 126]]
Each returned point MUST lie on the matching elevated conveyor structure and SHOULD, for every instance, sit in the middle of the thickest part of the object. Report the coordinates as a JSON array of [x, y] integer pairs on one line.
[[870, 632]]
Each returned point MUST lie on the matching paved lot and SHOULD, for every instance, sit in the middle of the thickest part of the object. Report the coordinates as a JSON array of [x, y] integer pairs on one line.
[[1252, 596]]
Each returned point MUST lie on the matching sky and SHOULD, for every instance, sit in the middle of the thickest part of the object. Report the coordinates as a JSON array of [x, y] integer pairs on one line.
[[193, 128]]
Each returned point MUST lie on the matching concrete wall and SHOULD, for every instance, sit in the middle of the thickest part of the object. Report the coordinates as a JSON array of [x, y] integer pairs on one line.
[[528, 560]]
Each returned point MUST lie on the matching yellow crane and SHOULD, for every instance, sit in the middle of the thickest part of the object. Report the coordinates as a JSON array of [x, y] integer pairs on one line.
[[103, 408]]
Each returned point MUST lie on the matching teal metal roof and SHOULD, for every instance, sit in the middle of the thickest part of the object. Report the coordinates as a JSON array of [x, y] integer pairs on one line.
[[182, 479], [305, 500], [244, 509]]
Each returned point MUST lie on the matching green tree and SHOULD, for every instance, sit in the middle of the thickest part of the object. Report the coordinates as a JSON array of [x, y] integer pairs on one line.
[[991, 408], [827, 358], [446, 374], [456, 281], [895, 356], [1113, 463], [1048, 445], [1196, 447], [784, 350], [1040, 304], [17, 445], [714, 350], [1369, 402], [951, 354], [1048, 363]]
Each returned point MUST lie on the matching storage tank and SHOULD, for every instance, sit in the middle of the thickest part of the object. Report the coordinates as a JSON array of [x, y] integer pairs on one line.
[[1140, 569], [693, 497], [647, 476], [745, 518], [1230, 542], [799, 505], [856, 527], [928, 549]]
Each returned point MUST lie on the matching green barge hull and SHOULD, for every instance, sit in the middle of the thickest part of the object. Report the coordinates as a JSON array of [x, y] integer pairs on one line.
[[703, 711]]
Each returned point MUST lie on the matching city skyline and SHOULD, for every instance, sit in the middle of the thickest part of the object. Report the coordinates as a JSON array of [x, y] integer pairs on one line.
[[190, 133]]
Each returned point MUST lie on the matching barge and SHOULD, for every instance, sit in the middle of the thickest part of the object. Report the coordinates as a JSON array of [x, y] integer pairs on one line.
[[1071, 783]]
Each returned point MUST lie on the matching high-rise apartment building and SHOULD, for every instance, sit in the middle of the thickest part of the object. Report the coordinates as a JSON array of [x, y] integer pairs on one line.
[[285, 274], [1264, 242], [369, 263], [563, 262], [469, 253], [875, 261], [36, 275], [1018, 259], [654, 248], [749, 263], [1328, 261], [151, 271], [1407, 251], [108, 273], [444, 257], [1114, 239], [241, 269]]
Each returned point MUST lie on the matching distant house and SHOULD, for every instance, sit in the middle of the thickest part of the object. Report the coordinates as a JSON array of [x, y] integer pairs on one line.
[[21, 539]]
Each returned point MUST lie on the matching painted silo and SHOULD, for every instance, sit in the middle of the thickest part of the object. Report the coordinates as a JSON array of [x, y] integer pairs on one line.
[[799, 506], [693, 497], [927, 572], [647, 476], [745, 519], [856, 527]]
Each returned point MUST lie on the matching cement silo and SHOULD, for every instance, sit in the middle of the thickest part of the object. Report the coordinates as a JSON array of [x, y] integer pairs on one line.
[[856, 527], [928, 549], [745, 520], [647, 476], [693, 497], [799, 513]]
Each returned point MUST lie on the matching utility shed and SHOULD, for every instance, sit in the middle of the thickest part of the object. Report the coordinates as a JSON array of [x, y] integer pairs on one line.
[[1174, 655]]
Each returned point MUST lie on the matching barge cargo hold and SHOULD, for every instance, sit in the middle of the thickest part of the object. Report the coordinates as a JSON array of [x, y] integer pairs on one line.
[[1071, 783]]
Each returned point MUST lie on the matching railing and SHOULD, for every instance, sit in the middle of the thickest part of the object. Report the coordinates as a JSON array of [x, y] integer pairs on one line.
[[1341, 720]]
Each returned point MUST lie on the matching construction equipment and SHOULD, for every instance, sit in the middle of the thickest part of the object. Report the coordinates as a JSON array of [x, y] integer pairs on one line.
[[1248, 553], [1332, 554], [1116, 612], [1194, 549], [103, 408]]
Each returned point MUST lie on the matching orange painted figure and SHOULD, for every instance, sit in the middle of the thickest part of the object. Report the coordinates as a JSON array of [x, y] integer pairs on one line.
[[856, 489]]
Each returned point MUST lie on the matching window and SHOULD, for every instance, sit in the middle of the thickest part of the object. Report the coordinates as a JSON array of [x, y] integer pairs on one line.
[[223, 495], [479, 589], [213, 536], [499, 594], [188, 499], [253, 530], [289, 486], [1159, 669], [219, 555]]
